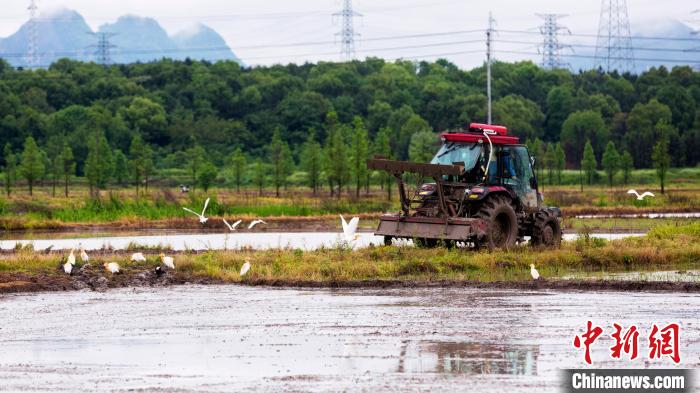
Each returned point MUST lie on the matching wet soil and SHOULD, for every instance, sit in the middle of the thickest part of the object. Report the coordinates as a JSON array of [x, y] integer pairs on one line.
[[231, 338]]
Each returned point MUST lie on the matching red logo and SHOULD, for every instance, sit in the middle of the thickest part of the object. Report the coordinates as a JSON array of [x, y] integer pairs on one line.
[[626, 343], [589, 338], [667, 344]]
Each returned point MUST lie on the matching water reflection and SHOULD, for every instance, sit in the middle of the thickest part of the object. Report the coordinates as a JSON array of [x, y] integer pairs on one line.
[[467, 358]]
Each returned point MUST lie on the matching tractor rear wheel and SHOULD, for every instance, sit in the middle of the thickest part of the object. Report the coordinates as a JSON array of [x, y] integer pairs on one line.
[[501, 223], [546, 231]]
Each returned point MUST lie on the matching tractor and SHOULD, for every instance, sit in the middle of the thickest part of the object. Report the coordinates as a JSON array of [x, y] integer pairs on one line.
[[483, 194]]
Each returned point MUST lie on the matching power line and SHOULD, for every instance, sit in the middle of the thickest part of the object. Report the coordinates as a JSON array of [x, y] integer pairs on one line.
[[636, 48], [597, 36], [551, 47], [680, 61], [347, 32]]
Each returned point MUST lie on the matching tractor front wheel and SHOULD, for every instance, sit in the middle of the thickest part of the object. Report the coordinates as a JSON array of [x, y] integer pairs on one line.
[[546, 231], [501, 223]]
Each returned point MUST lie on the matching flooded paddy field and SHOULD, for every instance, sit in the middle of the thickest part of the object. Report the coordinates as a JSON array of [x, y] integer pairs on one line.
[[178, 241], [234, 338]]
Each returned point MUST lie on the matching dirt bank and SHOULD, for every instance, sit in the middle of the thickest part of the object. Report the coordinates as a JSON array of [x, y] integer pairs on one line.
[[96, 279]]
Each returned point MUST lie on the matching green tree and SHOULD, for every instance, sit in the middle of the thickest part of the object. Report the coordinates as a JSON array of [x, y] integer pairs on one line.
[[279, 155], [422, 148], [66, 163], [642, 132], [550, 160], [32, 165], [121, 167], [141, 161], [611, 162], [382, 148], [195, 160], [311, 160], [627, 165], [359, 151], [99, 164], [10, 168], [237, 161], [589, 163], [581, 127], [259, 174], [207, 175], [54, 145], [662, 161], [335, 157], [560, 161]]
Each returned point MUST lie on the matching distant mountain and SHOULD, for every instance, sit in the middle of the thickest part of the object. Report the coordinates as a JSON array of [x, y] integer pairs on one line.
[[202, 42], [64, 33]]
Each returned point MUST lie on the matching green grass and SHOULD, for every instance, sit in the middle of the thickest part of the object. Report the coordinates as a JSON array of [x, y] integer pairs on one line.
[[665, 248]]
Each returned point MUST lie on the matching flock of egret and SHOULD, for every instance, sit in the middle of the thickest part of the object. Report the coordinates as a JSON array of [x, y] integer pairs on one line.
[[350, 235]]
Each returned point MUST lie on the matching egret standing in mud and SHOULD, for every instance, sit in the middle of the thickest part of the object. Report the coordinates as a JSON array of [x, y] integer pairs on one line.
[[232, 227], [138, 257], [202, 218], [167, 261], [533, 272], [245, 267], [111, 267], [83, 255], [349, 230], [640, 197], [256, 222], [68, 268], [71, 256]]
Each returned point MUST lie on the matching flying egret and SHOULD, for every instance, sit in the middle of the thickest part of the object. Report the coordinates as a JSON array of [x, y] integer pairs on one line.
[[232, 227], [256, 222], [533, 272], [111, 267], [138, 257], [640, 197], [168, 261], [68, 268], [83, 255], [71, 257], [245, 267], [202, 218], [349, 230]]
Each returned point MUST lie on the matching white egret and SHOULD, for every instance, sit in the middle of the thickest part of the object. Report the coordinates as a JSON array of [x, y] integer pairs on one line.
[[232, 227], [202, 218], [245, 267], [256, 222], [111, 267], [71, 256], [640, 197], [533, 272], [138, 257], [83, 255], [68, 268], [168, 261], [349, 230]]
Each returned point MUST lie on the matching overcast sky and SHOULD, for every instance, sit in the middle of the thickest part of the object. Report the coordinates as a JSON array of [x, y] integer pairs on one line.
[[251, 27]]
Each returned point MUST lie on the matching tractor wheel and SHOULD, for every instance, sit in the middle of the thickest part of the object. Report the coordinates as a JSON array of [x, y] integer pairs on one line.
[[546, 231], [501, 223], [425, 243]]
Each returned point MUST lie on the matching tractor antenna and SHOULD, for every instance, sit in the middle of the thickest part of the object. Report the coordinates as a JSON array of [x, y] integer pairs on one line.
[[489, 49]]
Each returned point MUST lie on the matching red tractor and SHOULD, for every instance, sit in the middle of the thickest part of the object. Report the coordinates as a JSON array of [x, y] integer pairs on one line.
[[483, 193]]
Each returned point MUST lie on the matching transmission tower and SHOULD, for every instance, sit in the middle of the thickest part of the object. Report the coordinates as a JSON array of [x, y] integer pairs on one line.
[[614, 46], [347, 32], [103, 48], [551, 48], [33, 49]]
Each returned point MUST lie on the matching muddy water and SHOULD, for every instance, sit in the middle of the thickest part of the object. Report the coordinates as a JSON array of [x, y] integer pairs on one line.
[[231, 338], [216, 241]]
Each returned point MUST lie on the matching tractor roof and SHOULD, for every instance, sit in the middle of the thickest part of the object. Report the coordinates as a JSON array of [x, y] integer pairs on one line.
[[497, 134]]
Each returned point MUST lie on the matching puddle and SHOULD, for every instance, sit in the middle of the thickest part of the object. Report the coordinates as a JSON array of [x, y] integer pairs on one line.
[[657, 276], [643, 215], [220, 241], [234, 338]]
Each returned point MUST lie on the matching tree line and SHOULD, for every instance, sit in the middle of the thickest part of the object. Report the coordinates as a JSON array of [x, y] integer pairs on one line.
[[131, 123]]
